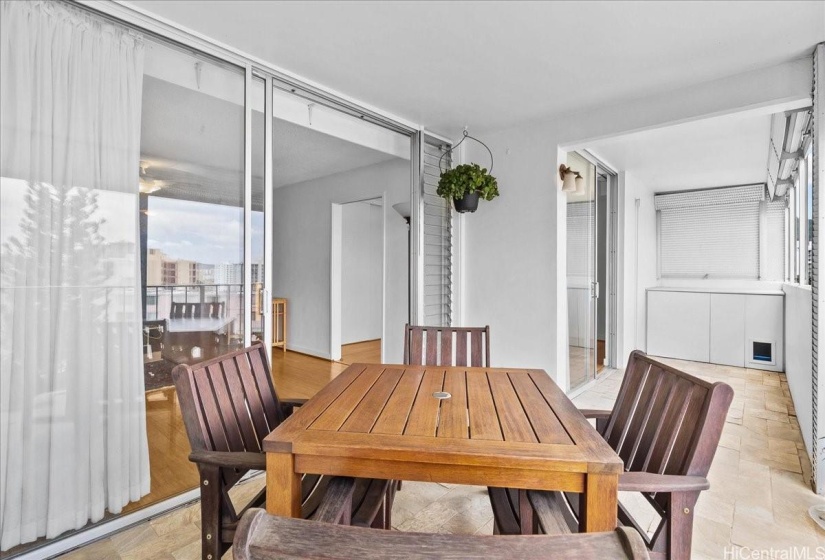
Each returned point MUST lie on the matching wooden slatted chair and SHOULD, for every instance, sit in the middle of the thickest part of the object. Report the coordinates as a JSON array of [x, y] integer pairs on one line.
[[266, 537], [447, 346], [229, 405], [665, 425], [182, 310]]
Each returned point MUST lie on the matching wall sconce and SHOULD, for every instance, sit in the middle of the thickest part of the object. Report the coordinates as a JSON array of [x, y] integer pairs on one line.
[[571, 181]]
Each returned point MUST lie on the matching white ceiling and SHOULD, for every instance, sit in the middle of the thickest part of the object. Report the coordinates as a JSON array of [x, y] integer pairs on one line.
[[723, 151], [193, 143], [493, 64]]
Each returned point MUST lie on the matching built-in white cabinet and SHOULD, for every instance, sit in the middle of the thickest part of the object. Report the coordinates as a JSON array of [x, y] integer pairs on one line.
[[678, 325], [744, 329], [727, 329]]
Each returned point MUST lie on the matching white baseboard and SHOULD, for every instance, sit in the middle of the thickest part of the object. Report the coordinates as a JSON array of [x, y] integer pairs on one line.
[[307, 351], [102, 530]]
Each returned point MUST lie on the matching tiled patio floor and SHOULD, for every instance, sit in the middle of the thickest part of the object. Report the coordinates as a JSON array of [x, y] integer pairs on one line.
[[758, 500]]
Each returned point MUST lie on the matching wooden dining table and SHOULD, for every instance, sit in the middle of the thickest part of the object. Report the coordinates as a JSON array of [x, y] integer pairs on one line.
[[480, 426]]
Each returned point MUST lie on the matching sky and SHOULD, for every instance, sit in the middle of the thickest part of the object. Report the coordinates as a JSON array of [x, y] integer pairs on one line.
[[197, 231], [201, 232]]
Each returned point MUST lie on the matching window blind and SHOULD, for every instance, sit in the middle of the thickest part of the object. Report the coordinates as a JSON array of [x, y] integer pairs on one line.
[[715, 233], [437, 245], [580, 216]]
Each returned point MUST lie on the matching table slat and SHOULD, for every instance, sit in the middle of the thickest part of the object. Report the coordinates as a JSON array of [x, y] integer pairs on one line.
[[514, 422], [394, 416], [545, 423], [424, 414], [484, 422], [581, 432], [365, 416], [453, 416], [337, 413]]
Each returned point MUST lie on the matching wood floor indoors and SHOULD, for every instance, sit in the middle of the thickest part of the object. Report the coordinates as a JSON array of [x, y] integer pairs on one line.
[[295, 376], [759, 496]]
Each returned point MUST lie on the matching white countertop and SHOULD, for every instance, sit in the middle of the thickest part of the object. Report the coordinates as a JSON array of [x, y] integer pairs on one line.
[[746, 291]]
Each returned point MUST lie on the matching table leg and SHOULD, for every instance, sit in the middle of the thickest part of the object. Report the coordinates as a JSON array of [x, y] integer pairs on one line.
[[599, 505], [283, 485]]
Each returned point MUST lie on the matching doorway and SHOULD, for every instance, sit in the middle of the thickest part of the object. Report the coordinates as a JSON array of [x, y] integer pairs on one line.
[[357, 281]]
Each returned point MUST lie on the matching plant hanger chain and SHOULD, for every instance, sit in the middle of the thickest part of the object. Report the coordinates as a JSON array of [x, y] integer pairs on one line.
[[450, 150]]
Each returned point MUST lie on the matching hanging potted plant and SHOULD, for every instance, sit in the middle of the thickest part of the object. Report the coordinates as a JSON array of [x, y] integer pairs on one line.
[[466, 183]]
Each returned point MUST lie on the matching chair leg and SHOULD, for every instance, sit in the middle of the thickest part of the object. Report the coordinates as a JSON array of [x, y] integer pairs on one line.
[[680, 524], [388, 507], [380, 517], [210, 480]]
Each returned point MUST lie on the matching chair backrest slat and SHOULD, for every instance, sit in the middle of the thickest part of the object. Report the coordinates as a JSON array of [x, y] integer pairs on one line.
[[673, 428], [631, 385], [178, 310], [475, 347], [432, 347], [253, 396], [225, 407], [460, 348], [435, 346], [210, 309], [239, 406], [665, 420], [228, 403], [446, 347], [657, 405], [211, 416], [645, 425], [416, 349], [260, 369]]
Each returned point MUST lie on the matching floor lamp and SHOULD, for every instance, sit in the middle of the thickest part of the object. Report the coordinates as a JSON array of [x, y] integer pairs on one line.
[[404, 210]]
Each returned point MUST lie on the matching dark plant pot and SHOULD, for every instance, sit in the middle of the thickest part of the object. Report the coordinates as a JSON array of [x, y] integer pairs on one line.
[[467, 204]]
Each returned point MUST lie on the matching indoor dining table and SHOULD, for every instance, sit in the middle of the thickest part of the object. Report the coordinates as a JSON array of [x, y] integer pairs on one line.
[[462, 425]]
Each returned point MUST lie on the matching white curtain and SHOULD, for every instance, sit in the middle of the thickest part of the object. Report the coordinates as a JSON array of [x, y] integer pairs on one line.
[[72, 415]]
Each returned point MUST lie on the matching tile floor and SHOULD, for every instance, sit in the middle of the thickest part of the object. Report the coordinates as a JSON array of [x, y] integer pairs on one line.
[[758, 502]]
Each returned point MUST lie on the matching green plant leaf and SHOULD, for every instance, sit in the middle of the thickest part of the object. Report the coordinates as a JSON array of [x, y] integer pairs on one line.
[[465, 179]]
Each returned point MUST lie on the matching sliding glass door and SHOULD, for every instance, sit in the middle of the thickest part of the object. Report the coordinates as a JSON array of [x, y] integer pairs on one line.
[[591, 265], [192, 181], [137, 234], [582, 278]]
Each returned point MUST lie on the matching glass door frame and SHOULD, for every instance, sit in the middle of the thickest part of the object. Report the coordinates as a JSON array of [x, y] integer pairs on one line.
[[610, 291]]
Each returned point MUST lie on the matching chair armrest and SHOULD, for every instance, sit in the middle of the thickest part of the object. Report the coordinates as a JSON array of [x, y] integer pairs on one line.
[[288, 406], [230, 459], [597, 414], [652, 482]]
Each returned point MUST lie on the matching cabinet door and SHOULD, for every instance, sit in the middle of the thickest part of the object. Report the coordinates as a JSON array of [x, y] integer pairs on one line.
[[678, 325], [727, 329]]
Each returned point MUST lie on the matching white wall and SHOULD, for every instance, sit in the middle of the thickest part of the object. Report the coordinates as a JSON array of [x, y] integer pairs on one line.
[[798, 356], [301, 252], [638, 230], [510, 253], [362, 240], [515, 246]]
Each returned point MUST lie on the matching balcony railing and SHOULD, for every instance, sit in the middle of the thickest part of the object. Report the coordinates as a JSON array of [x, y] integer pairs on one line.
[[158, 300]]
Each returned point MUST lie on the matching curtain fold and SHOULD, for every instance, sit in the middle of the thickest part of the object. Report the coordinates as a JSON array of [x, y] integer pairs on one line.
[[72, 415]]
